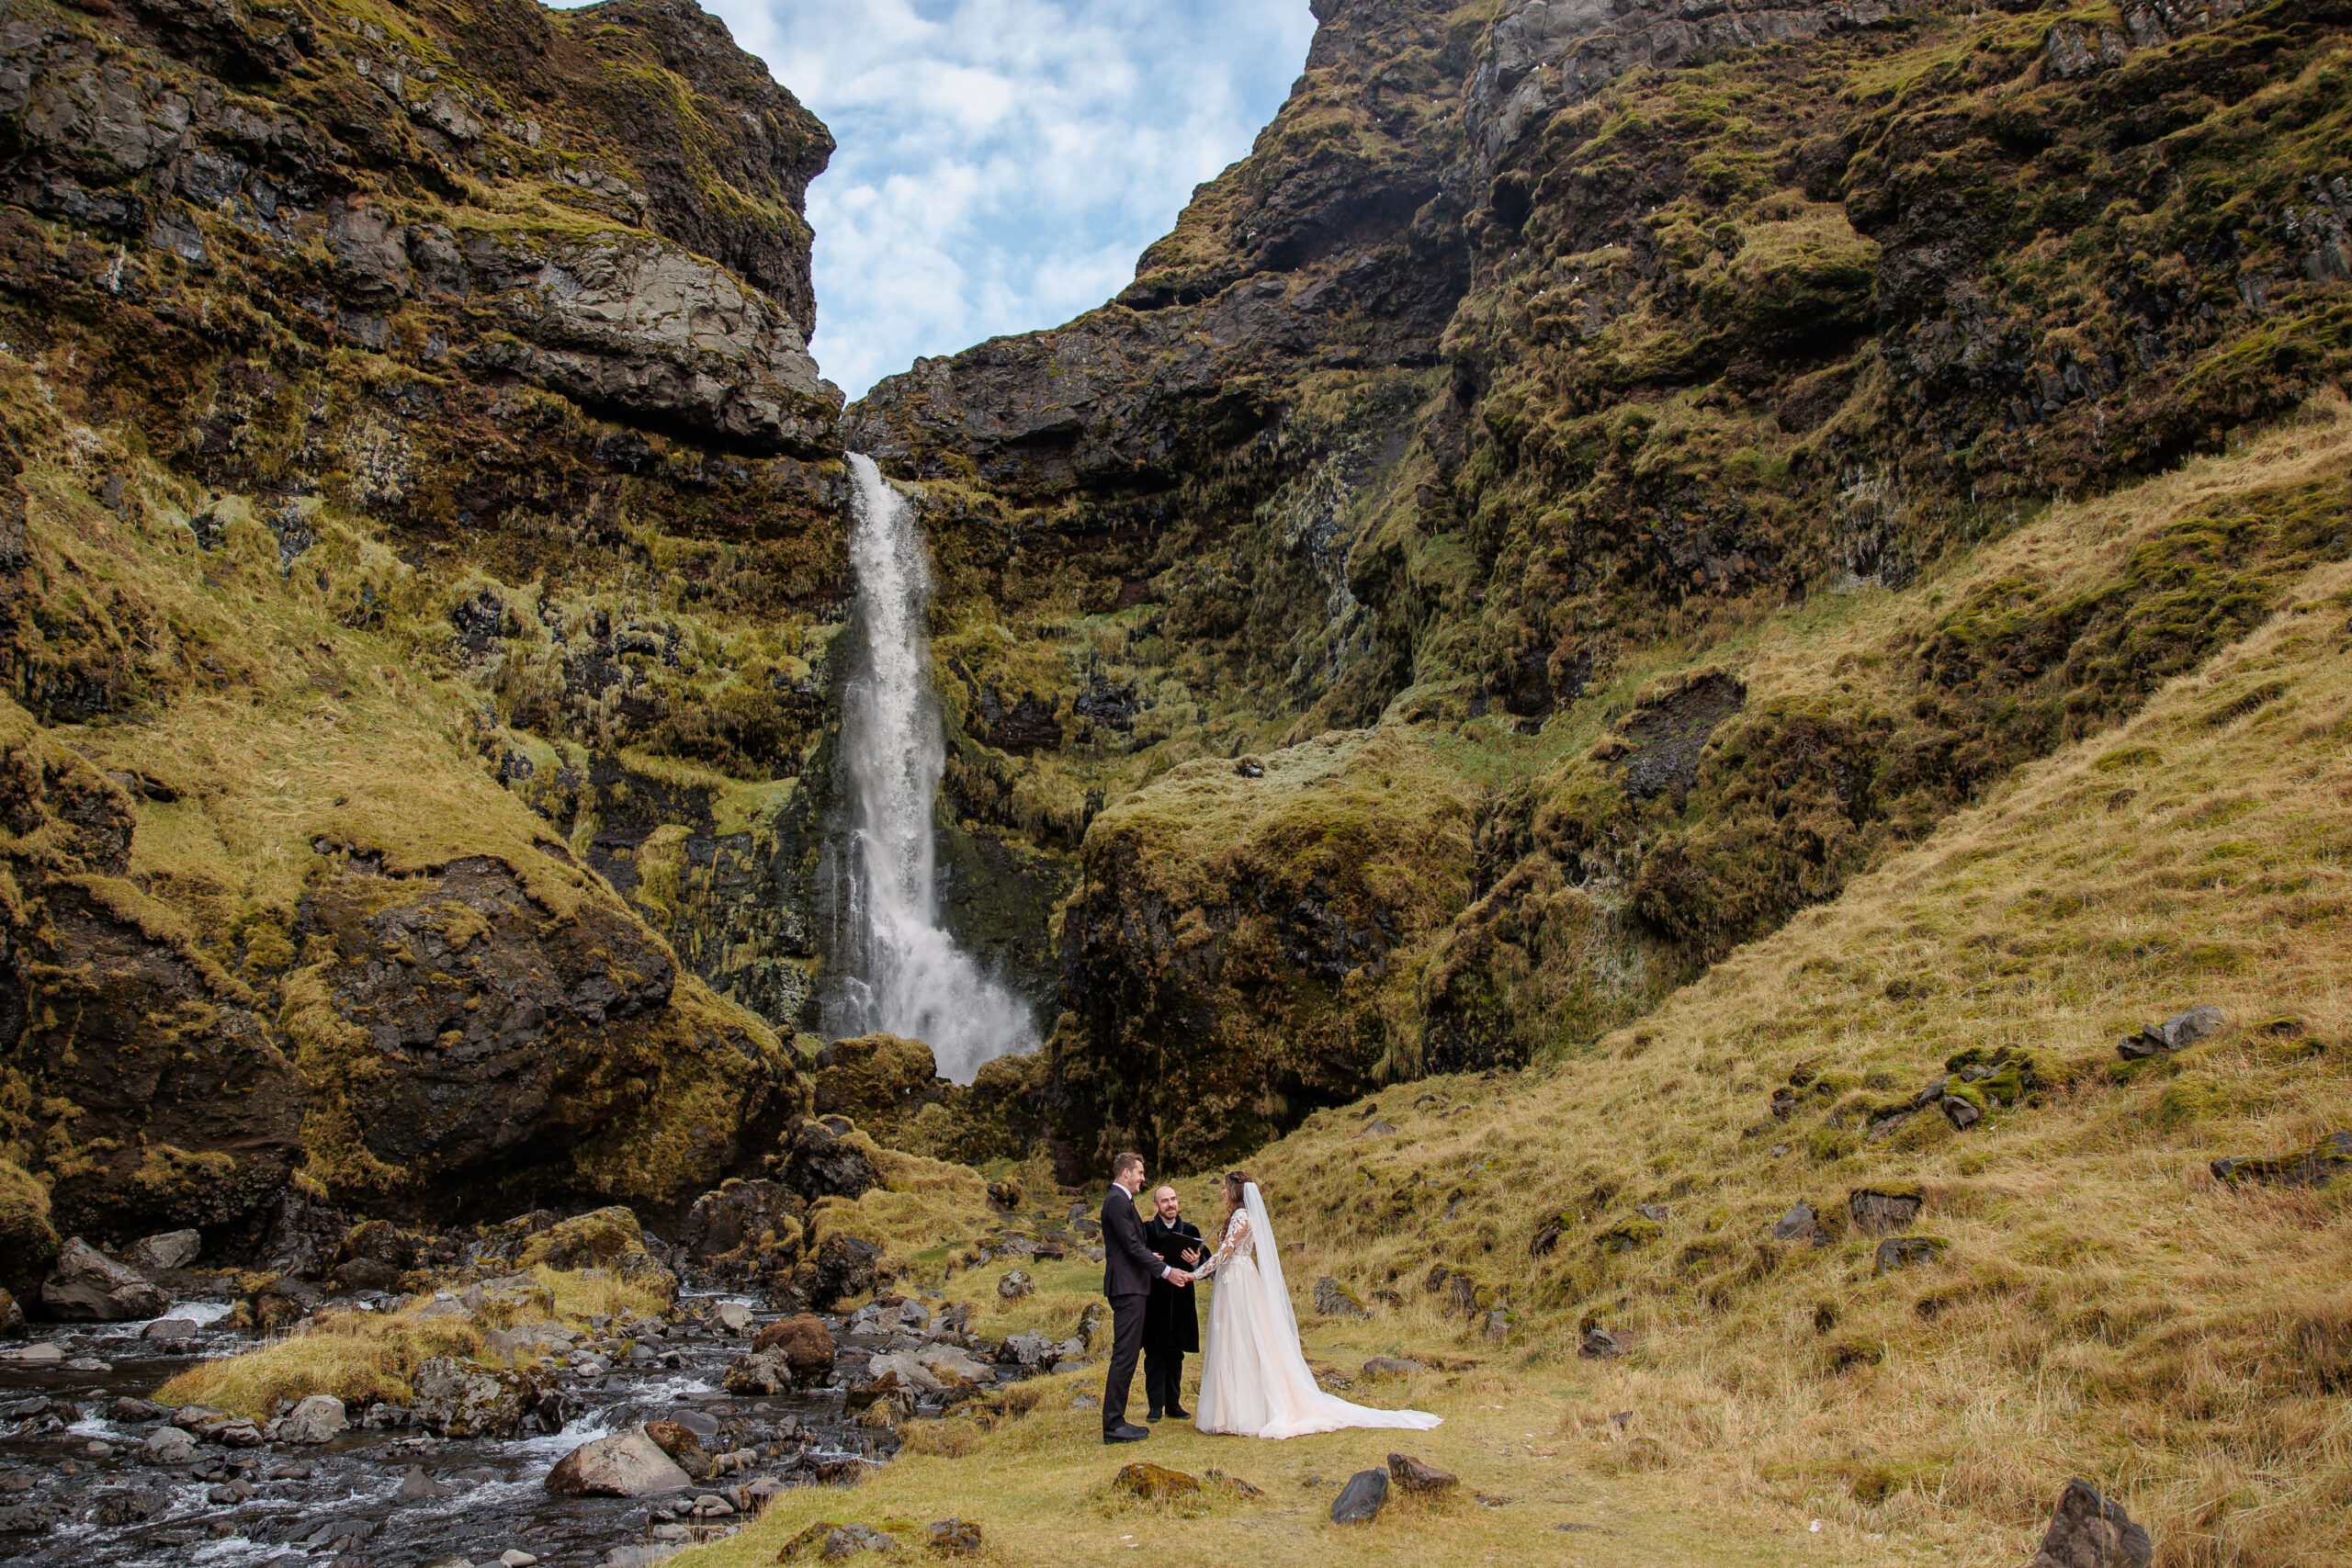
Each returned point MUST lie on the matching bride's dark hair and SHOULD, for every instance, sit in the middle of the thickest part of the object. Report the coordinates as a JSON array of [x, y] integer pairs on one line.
[[1235, 1181]]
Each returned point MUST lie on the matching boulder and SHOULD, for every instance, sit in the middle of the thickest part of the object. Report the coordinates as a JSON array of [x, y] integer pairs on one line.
[[90, 1287], [169, 1249], [627, 1464], [169, 1328], [955, 1537], [12, 1318], [418, 1487], [806, 1344], [1598, 1345], [733, 1317], [752, 1227], [1335, 1300], [2092, 1531], [683, 1446], [315, 1420], [952, 1365], [1382, 1367], [1360, 1500], [607, 1238], [1798, 1225], [1028, 1350], [167, 1445], [844, 1266], [2312, 1167], [1015, 1284], [39, 1354], [1155, 1482], [2178, 1033], [460, 1399], [1412, 1475], [1877, 1212], [824, 1164], [761, 1372]]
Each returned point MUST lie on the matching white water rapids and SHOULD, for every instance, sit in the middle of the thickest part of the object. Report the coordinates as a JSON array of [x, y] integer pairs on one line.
[[894, 967]]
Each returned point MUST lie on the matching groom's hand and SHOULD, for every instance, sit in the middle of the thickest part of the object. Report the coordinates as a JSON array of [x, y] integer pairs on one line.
[[1178, 1277]]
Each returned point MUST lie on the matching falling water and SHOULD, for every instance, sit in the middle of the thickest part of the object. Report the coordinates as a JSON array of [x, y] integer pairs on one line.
[[894, 967]]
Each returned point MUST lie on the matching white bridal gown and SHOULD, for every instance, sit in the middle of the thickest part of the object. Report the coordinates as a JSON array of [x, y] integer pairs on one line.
[[1254, 1381]]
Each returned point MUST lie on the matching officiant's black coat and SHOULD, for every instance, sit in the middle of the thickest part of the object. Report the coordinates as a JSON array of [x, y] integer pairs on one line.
[[1171, 1318]]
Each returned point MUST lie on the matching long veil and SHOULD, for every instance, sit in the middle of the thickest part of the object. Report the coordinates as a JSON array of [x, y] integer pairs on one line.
[[1270, 1264]]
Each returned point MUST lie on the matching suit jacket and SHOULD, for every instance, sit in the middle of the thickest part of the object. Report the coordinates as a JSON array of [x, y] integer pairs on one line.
[[1171, 1318], [1128, 1266]]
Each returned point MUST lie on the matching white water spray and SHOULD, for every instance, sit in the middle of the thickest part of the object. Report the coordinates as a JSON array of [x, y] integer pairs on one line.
[[894, 967]]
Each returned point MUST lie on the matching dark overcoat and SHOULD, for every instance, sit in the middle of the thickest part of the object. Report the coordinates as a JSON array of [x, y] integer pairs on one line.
[[1171, 1318]]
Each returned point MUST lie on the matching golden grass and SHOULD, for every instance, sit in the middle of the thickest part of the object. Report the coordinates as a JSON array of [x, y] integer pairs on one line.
[[358, 1357]]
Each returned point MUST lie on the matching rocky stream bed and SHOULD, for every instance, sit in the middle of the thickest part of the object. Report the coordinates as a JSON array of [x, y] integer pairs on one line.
[[92, 1473]]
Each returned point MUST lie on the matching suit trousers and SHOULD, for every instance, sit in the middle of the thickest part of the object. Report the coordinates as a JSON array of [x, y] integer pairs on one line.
[[1163, 1379], [1126, 1342]]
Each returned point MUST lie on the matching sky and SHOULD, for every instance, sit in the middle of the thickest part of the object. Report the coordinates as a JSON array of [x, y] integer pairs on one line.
[[1002, 162]]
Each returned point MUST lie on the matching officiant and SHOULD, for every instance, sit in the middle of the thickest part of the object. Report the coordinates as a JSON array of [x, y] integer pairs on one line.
[[1171, 1318]]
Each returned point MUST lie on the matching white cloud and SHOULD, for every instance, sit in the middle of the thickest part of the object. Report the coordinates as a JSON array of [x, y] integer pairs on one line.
[[1003, 162]]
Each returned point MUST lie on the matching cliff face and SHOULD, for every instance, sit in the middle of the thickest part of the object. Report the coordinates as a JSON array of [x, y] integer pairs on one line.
[[1540, 358], [418, 497]]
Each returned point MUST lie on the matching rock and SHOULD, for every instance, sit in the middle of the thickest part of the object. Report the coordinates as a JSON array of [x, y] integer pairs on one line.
[[1155, 1482], [2175, 1034], [1335, 1300], [168, 1445], [1497, 1326], [752, 1227], [1382, 1367], [168, 1250], [762, 1372], [40, 1354], [12, 1318], [1006, 1195], [1598, 1345], [2312, 1167], [683, 1447], [1961, 1112], [1657, 1214], [1411, 1474], [1906, 1251], [169, 1328], [1028, 1350], [827, 1542], [733, 1317], [1877, 1212], [1798, 1225], [1015, 1284], [1360, 1500], [954, 1365], [418, 1487], [316, 1419], [513, 1557], [2091, 1531], [954, 1538], [627, 1464], [845, 1264], [823, 1164], [606, 1238], [456, 1399], [89, 1287]]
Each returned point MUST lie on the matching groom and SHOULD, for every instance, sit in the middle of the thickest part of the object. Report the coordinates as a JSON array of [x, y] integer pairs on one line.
[[1129, 1269]]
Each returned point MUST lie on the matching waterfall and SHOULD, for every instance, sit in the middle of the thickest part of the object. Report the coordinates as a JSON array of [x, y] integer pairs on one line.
[[892, 965]]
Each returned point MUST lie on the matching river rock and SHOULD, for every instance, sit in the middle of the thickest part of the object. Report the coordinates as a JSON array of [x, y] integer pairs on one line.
[[1360, 1500], [170, 1249], [315, 1420], [1411, 1474], [167, 1445], [627, 1464], [683, 1446], [39, 1354], [170, 1328], [804, 1340], [12, 1318], [2092, 1531], [844, 1266], [418, 1487], [457, 1399], [952, 1364], [733, 1317], [762, 1372], [90, 1287]]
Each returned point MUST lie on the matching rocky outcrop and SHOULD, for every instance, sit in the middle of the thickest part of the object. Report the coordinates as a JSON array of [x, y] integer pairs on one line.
[[87, 1286]]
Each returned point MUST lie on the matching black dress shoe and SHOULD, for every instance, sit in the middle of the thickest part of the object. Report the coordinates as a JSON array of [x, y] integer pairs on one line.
[[1124, 1432], [1153, 1417], [1179, 1415]]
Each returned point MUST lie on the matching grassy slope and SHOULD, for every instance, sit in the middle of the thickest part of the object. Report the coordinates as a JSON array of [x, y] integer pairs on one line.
[[2104, 1308]]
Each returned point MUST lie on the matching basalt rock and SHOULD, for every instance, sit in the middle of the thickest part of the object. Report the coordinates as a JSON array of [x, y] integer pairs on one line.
[[2092, 1531], [90, 1287], [627, 1464]]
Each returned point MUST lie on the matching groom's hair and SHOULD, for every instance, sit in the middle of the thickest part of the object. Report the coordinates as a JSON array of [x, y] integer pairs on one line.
[[1122, 1163]]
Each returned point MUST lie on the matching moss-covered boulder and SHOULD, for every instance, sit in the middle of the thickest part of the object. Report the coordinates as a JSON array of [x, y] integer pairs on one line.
[[28, 1242]]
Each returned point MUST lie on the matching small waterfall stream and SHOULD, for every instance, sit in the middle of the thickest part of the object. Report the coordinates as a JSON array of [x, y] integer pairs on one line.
[[892, 966]]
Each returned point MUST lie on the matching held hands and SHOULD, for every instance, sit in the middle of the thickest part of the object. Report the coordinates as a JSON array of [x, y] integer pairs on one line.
[[1178, 1278]]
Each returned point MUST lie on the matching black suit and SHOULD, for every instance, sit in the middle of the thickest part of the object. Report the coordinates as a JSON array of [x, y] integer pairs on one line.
[[1128, 1269], [1171, 1318]]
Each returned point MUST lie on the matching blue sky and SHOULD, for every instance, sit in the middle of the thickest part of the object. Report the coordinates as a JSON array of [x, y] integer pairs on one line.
[[1002, 162]]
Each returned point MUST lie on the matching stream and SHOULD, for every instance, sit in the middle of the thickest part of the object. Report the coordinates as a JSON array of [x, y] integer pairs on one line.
[[75, 1487]]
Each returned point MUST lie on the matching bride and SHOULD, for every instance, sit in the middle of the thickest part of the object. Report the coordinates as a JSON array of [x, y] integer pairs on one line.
[[1254, 1381]]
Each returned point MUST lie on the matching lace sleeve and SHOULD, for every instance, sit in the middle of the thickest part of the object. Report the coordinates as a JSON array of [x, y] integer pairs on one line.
[[1235, 1233]]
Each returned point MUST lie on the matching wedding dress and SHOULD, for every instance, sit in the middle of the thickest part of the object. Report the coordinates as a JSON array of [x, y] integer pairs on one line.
[[1254, 1381]]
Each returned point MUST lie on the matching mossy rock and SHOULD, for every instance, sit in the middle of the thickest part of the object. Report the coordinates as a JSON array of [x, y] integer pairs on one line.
[[1628, 1234], [2314, 1166], [1907, 1252], [28, 1243]]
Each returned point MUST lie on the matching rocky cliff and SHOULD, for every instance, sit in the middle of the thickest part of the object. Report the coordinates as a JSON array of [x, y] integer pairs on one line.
[[1467, 436], [421, 529]]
